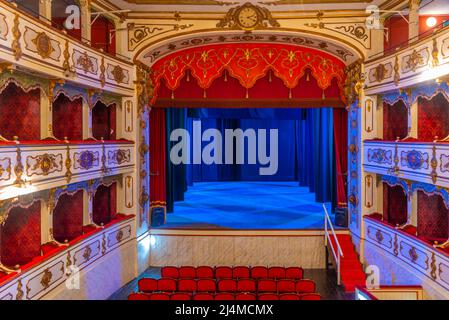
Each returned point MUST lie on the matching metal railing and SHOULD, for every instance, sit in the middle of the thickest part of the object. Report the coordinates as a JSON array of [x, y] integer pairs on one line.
[[336, 252]]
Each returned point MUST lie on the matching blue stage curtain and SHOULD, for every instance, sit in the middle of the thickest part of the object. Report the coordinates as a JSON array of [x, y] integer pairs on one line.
[[306, 147]]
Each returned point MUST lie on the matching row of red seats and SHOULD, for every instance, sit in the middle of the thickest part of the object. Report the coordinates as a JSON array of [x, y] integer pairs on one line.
[[223, 296], [149, 285], [239, 272]]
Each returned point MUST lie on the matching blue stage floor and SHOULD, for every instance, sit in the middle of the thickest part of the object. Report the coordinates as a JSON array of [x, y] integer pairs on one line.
[[247, 206]]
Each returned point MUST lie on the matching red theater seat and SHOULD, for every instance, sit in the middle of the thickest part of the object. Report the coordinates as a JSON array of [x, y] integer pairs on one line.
[[294, 273], [159, 296], [206, 285], [245, 297], [276, 273], [266, 286], [203, 297], [187, 273], [147, 285], [138, 296], [227, 285], [305, 286], [170, 272], [223, 273], [246, 285], [240, 272], [204, 272], [268, 297], [187, 285], [180, 296], [286, 286], [259, 273], [166, 285], [224, 297], [289, 296], [310, 296]]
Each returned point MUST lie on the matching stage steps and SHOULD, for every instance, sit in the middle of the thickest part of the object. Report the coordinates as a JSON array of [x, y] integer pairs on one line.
[[352, 273]]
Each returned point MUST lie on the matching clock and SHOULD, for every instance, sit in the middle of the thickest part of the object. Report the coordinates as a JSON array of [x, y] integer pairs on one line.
[[248, 18]]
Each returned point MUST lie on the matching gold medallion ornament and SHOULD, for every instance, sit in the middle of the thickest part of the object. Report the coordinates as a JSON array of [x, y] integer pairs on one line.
[[248, 17], [118, 74], [43, 45]]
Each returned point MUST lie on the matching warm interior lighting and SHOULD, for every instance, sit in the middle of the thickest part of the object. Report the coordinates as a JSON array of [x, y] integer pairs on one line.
[[431, 22]]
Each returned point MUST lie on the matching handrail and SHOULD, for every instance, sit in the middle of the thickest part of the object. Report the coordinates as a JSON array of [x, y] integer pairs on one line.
[[339, 254]]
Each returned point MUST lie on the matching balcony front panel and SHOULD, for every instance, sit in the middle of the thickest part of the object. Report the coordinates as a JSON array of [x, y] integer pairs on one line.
[[418, 161], [34, 45], [26, 168], [427, 59], [422, 257]]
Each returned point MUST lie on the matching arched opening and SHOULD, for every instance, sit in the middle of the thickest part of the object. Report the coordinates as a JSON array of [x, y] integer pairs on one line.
[[20, 113], [68, 217], [433, 118], [104, 121], [210, 91], [68, 118], [105, 204], [394, 205], [395, 122]]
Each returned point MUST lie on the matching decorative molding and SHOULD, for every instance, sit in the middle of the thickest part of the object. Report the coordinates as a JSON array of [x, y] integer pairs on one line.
[[248, 17], [15, 46]]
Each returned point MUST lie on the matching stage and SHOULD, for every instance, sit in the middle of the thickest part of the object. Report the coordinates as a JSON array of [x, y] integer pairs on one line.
[[247, 206]]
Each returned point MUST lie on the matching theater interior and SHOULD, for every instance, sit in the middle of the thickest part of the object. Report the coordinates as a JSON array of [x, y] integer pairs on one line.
[[224, 150]]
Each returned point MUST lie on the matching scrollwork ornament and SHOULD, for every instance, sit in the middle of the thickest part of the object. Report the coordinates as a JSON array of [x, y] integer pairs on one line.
[[15, 46]]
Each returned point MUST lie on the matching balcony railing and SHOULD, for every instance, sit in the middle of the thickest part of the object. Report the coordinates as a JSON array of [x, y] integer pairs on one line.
[[27, 167], [28, 42], [424, 60], [426, 162]]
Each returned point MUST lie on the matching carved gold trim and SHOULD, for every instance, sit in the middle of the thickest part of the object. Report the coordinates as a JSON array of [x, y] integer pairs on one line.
[[43, 45], [15, 46]]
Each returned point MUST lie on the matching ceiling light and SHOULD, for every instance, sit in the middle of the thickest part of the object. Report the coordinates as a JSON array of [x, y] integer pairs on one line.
[[431, 22]]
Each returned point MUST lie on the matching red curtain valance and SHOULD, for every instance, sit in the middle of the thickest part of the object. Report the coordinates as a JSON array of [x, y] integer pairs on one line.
[[248, 63]]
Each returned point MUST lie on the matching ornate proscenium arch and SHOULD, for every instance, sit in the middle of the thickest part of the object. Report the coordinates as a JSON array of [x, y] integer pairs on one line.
[[249, 63]]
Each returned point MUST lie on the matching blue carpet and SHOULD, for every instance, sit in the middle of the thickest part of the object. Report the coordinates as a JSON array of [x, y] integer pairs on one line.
[[247, 206]]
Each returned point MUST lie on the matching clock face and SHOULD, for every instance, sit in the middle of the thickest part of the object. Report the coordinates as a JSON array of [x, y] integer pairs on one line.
[[248, 18]]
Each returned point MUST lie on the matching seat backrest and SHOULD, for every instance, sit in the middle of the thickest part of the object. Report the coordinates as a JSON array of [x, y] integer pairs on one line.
[[204, 272], [310, 296], [170, 272], [187, 273], [138, 296], [240, 272], [286, 286], [147, 285], [245, 297], [268, 297], [206, 285], [203, 297], [180, 296], [166, 285], [277, 273], [223, 273], [224, 297], [246, 285], [305, 286], [186, 285], [289, 296], [264, 286], [227, 285], [294, 273], [259, 273], [159, 296]]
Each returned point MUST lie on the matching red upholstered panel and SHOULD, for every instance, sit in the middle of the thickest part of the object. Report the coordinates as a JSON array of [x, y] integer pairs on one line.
[[101, 35], [68, 118], [432, 217], [68, 217], [394, 205], [20, 113], [395, 121], [21, 235], [104, 121], [433, 118], [58, 22], [105, 204], [158, 163]]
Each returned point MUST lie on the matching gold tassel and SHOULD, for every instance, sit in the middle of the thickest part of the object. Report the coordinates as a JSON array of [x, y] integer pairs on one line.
[[172, 95], [247, 93], [188, 76], [308, 77], [204, 94], [269, 76], [324, 95], [290, 93], [226, 76]]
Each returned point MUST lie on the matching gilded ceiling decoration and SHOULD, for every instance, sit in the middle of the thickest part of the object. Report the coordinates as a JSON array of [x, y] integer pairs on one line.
[[248, 17]]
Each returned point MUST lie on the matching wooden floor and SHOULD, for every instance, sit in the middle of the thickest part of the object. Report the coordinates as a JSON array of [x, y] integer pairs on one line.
[[325, 281]]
